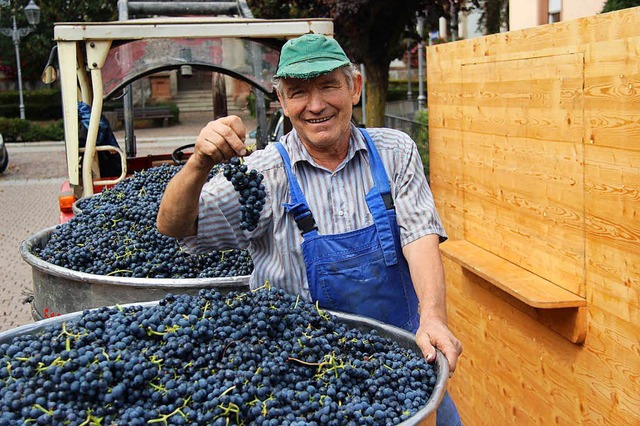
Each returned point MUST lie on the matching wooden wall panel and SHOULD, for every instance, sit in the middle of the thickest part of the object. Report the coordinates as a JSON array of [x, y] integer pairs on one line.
[[523, 163], [535, 156], [523, 201]]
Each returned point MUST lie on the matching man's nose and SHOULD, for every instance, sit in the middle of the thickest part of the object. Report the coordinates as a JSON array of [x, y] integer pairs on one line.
[[316, 101]]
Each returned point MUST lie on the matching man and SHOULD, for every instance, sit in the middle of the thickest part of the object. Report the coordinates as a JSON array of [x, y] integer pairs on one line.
[[348, 221]]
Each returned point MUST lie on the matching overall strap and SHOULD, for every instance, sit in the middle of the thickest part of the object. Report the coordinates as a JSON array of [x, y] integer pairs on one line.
[[380, 203], [301, 212], [378, 172]]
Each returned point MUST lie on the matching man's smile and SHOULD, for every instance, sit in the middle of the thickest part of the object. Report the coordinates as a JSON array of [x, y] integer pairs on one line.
[[318, 120]]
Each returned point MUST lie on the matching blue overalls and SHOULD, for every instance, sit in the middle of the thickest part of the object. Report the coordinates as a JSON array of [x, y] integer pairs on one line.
[[364, 271]]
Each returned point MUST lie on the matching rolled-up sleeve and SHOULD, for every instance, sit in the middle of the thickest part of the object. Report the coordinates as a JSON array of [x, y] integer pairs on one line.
[[218, 219]]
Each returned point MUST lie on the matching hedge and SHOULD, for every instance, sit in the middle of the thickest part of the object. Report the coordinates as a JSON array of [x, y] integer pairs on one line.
[[39, 105], [17, 130]]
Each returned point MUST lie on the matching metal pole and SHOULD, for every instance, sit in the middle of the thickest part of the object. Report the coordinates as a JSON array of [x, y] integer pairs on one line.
[[16, 43], [364, 95], [409, 93], [454, 20], [127, 99], [421, 97]]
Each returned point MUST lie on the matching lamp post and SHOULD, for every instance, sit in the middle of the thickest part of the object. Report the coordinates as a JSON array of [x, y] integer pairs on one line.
[[32, 11], [420, 28], [409, 92]]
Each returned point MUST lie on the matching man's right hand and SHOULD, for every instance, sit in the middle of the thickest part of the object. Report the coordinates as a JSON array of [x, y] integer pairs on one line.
[[219, 141]]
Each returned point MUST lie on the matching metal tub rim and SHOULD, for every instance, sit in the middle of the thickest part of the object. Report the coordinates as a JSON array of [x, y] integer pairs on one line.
[[75, 206], [402, 337], [41, 237]]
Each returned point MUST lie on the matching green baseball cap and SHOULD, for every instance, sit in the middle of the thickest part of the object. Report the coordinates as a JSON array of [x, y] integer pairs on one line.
[[310, 56]]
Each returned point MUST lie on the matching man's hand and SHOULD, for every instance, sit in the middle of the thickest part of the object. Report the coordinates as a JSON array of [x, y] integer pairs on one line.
[[433, 333], [218, 141]]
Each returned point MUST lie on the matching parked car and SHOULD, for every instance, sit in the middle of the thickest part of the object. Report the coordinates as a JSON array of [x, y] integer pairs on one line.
[[4, 155]]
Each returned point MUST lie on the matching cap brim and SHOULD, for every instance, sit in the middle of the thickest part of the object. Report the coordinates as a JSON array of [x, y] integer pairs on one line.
[[306, 70]]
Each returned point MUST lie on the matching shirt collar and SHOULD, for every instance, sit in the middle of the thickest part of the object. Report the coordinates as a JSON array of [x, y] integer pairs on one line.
[[298, 152]]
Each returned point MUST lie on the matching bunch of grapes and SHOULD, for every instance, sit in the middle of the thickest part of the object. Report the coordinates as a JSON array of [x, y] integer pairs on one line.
[[116, 235], [253, 358], [248, 183]]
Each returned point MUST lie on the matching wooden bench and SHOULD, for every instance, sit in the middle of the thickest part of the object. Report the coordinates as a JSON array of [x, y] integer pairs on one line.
[[148, 113]]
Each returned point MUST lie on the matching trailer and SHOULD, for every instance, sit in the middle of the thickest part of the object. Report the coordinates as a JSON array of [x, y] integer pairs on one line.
[[97, 61]]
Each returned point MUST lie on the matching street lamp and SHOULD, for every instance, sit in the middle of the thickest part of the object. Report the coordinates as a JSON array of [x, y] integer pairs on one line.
[[420, 28], [409, 92], [32, 11]]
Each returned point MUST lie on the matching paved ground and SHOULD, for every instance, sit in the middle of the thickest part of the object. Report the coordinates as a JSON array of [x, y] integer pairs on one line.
[[29, 202]]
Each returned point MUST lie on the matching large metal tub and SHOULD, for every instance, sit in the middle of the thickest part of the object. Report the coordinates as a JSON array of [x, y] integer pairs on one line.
[[425, 416], [58, 290]]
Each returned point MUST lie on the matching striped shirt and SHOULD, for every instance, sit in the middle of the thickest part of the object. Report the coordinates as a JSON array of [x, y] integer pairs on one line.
[[336, 199]]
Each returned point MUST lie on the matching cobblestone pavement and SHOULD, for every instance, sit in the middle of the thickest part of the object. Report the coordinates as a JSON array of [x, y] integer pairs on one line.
[[29, 202]]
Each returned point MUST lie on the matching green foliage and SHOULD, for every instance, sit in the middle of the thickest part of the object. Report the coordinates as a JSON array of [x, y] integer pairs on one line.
[[15, 129], [398, 89], [494, 14], [35, 47], [278, 9], [612, 5], [420, 135], [173, 107], [43, 104]]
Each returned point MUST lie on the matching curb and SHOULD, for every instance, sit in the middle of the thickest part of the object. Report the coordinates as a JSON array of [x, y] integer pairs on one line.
[[174, 141]]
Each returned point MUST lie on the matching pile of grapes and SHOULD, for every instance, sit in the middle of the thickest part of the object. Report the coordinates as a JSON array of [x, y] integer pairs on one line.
[[248, 183], [116, 235], [255, 358]]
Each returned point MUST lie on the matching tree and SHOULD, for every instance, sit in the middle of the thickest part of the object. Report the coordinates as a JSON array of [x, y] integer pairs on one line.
[[370, 31], [612, 5], [494, 14], [374, 32], [34, 49]]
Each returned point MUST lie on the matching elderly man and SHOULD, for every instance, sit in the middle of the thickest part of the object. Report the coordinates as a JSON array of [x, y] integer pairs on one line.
[[348, 220]]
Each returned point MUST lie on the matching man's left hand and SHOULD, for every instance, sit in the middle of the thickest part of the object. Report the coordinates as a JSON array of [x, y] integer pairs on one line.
[[433, 333]]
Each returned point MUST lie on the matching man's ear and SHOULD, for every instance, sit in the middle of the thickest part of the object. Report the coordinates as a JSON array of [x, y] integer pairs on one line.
[[357, 89], [282, 104]]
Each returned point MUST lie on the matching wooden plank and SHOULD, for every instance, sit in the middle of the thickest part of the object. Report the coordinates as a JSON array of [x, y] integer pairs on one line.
[[533, 94], [552, 111], [520, 283], [564, 37]]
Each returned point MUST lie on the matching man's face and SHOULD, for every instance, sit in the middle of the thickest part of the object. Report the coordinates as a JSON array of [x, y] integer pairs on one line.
[[320, 108]]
